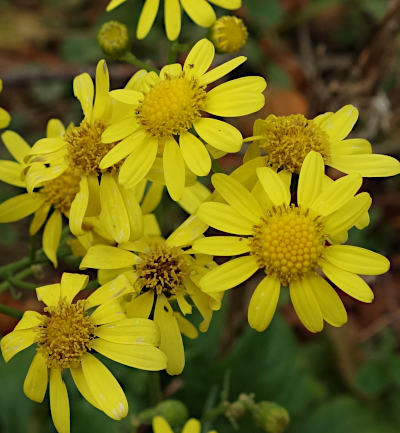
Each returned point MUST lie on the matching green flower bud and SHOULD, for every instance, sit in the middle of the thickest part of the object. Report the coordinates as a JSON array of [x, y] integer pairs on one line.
[[174, 411], [271, 417], [113, 38], [228, 34]]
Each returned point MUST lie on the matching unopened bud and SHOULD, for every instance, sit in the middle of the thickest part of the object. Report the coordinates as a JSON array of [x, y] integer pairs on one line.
[[174, 412], [271, 417], [228, 34], [113, 38]]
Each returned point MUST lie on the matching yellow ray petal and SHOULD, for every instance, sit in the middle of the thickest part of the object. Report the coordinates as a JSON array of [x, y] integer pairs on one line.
[[367, 165], [84, 92], [39, 217], [174, 169], [134, 212], [30, 319], [55, 128], [172, 18], [152, 198], [126, 96], [193, 197], [191, 229], [200, 56], [200, 12], [222, 245], [339, 124], [52, 236], [35, 383], [72, 284], [352, 146], [20, 206], [310, 179], [117, 131], [186, 327], [78, 208], [160, 425], [16, 145], [113, 4], [107, 313], [49, 294], [10, 172], [15, 341], [195, 154], [59, 402], [192, 426], [102, 88], [107, 257], [147, 17], [274, 187], [141, 306], [221, 70], [83, 387]]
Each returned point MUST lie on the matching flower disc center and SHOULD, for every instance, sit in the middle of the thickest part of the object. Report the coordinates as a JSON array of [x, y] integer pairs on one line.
[[61, 191]]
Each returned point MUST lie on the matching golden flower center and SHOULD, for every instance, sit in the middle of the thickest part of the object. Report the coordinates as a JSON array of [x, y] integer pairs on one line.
[[171, 106], [161, 269], [61, 191], [288, 242], [66, 334], [229, 34], [288, 140], [85, 149]]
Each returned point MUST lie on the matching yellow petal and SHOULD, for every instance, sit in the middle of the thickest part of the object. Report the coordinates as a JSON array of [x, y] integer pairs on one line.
[[16, 145], [357, 260], [30, 319], [171, 340], [113, 4], [350, 283], [94, 206], [192, 426], [127, 96], [369, 165], [202, 303], [219, 134], [191, 229], [274, 187], [223, 217], [5, 118], [306, 305], [59, 402], [147, 17], [15, 341], [236, 97], [39, 217], [117, 131], [329, 301], [229, 275], [222, 245], [106, 257], [78, 208], [84, 92], [160, 425], [138, 164], [52, 236], [35, 383], [134, 212], [72, 284], [235, 194], [310, 179], [221, 70], [263, 303], [113, 212], [193, 197], [20, 206], [107, 313], [174, 169], [49, 294], [200, 12], [339, 124], [83, 387], [141, 306], [10, 172], [227, 4], [186, 327], [200, 56], [102, 88], [104, 387], [195, 154], [152, 198], [352, 146], [172, 17], [55, 128]]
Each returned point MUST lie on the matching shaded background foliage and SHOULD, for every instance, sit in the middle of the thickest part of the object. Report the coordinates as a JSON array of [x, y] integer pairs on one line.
[[317, 55]]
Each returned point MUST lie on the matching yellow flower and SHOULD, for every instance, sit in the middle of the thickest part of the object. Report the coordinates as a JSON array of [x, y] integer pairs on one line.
[[79, 149], [291, 243], [164, 271], [4, 116], [66, 336], [56, 192], [200, 11], [160, 425], [229, 34], [168, 105], [286, 140]]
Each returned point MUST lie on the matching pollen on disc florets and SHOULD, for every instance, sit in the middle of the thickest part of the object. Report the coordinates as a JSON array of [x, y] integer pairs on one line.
[[65, 335], [229, 34], [60, 192], [288, 139], [161, 269], [171, 106], [288, 242], [85, 149]]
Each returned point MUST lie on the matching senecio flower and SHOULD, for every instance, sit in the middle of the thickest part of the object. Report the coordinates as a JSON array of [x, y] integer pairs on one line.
[[4, 116], [286, 140], [167, 106], [160, 425], [229, 34], [163, 271], [292, 243], [201, 12], [66, 337], [53, 194]]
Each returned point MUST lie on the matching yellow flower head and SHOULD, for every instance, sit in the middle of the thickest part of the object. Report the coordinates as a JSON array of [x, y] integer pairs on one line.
[[291, 242], [113, 38], [53, 193], [229, 34], [201, 12], [286, 140], [167, 106], [4, 116], [66, 336], [163, 272], [160, 425]]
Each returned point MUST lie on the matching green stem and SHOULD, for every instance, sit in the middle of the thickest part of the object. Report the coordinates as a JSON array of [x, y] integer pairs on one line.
[[9, 311], [215, 412], [133, 60], [17, 282], [32, 247], [5, 285], [155, 393], [172, 52]]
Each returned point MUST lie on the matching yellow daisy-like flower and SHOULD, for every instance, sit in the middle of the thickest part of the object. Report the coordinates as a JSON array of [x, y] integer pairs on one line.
[[229, 34], [160, 425], [52, 195], [286, 140], [66, 337], [167, 106], [292, 243], [5, 118], [163, 271], [200, 11]]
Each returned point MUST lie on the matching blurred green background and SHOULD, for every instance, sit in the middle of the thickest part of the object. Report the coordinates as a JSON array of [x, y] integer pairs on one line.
[[317, 55]]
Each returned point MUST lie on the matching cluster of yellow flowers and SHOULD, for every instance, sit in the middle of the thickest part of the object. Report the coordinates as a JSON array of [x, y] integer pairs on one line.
[[106, 176]]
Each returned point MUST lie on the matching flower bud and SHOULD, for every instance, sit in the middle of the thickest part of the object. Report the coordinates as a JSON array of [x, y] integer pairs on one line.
[[174, 412], [271, 417], [228, 34], [113, 38]]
